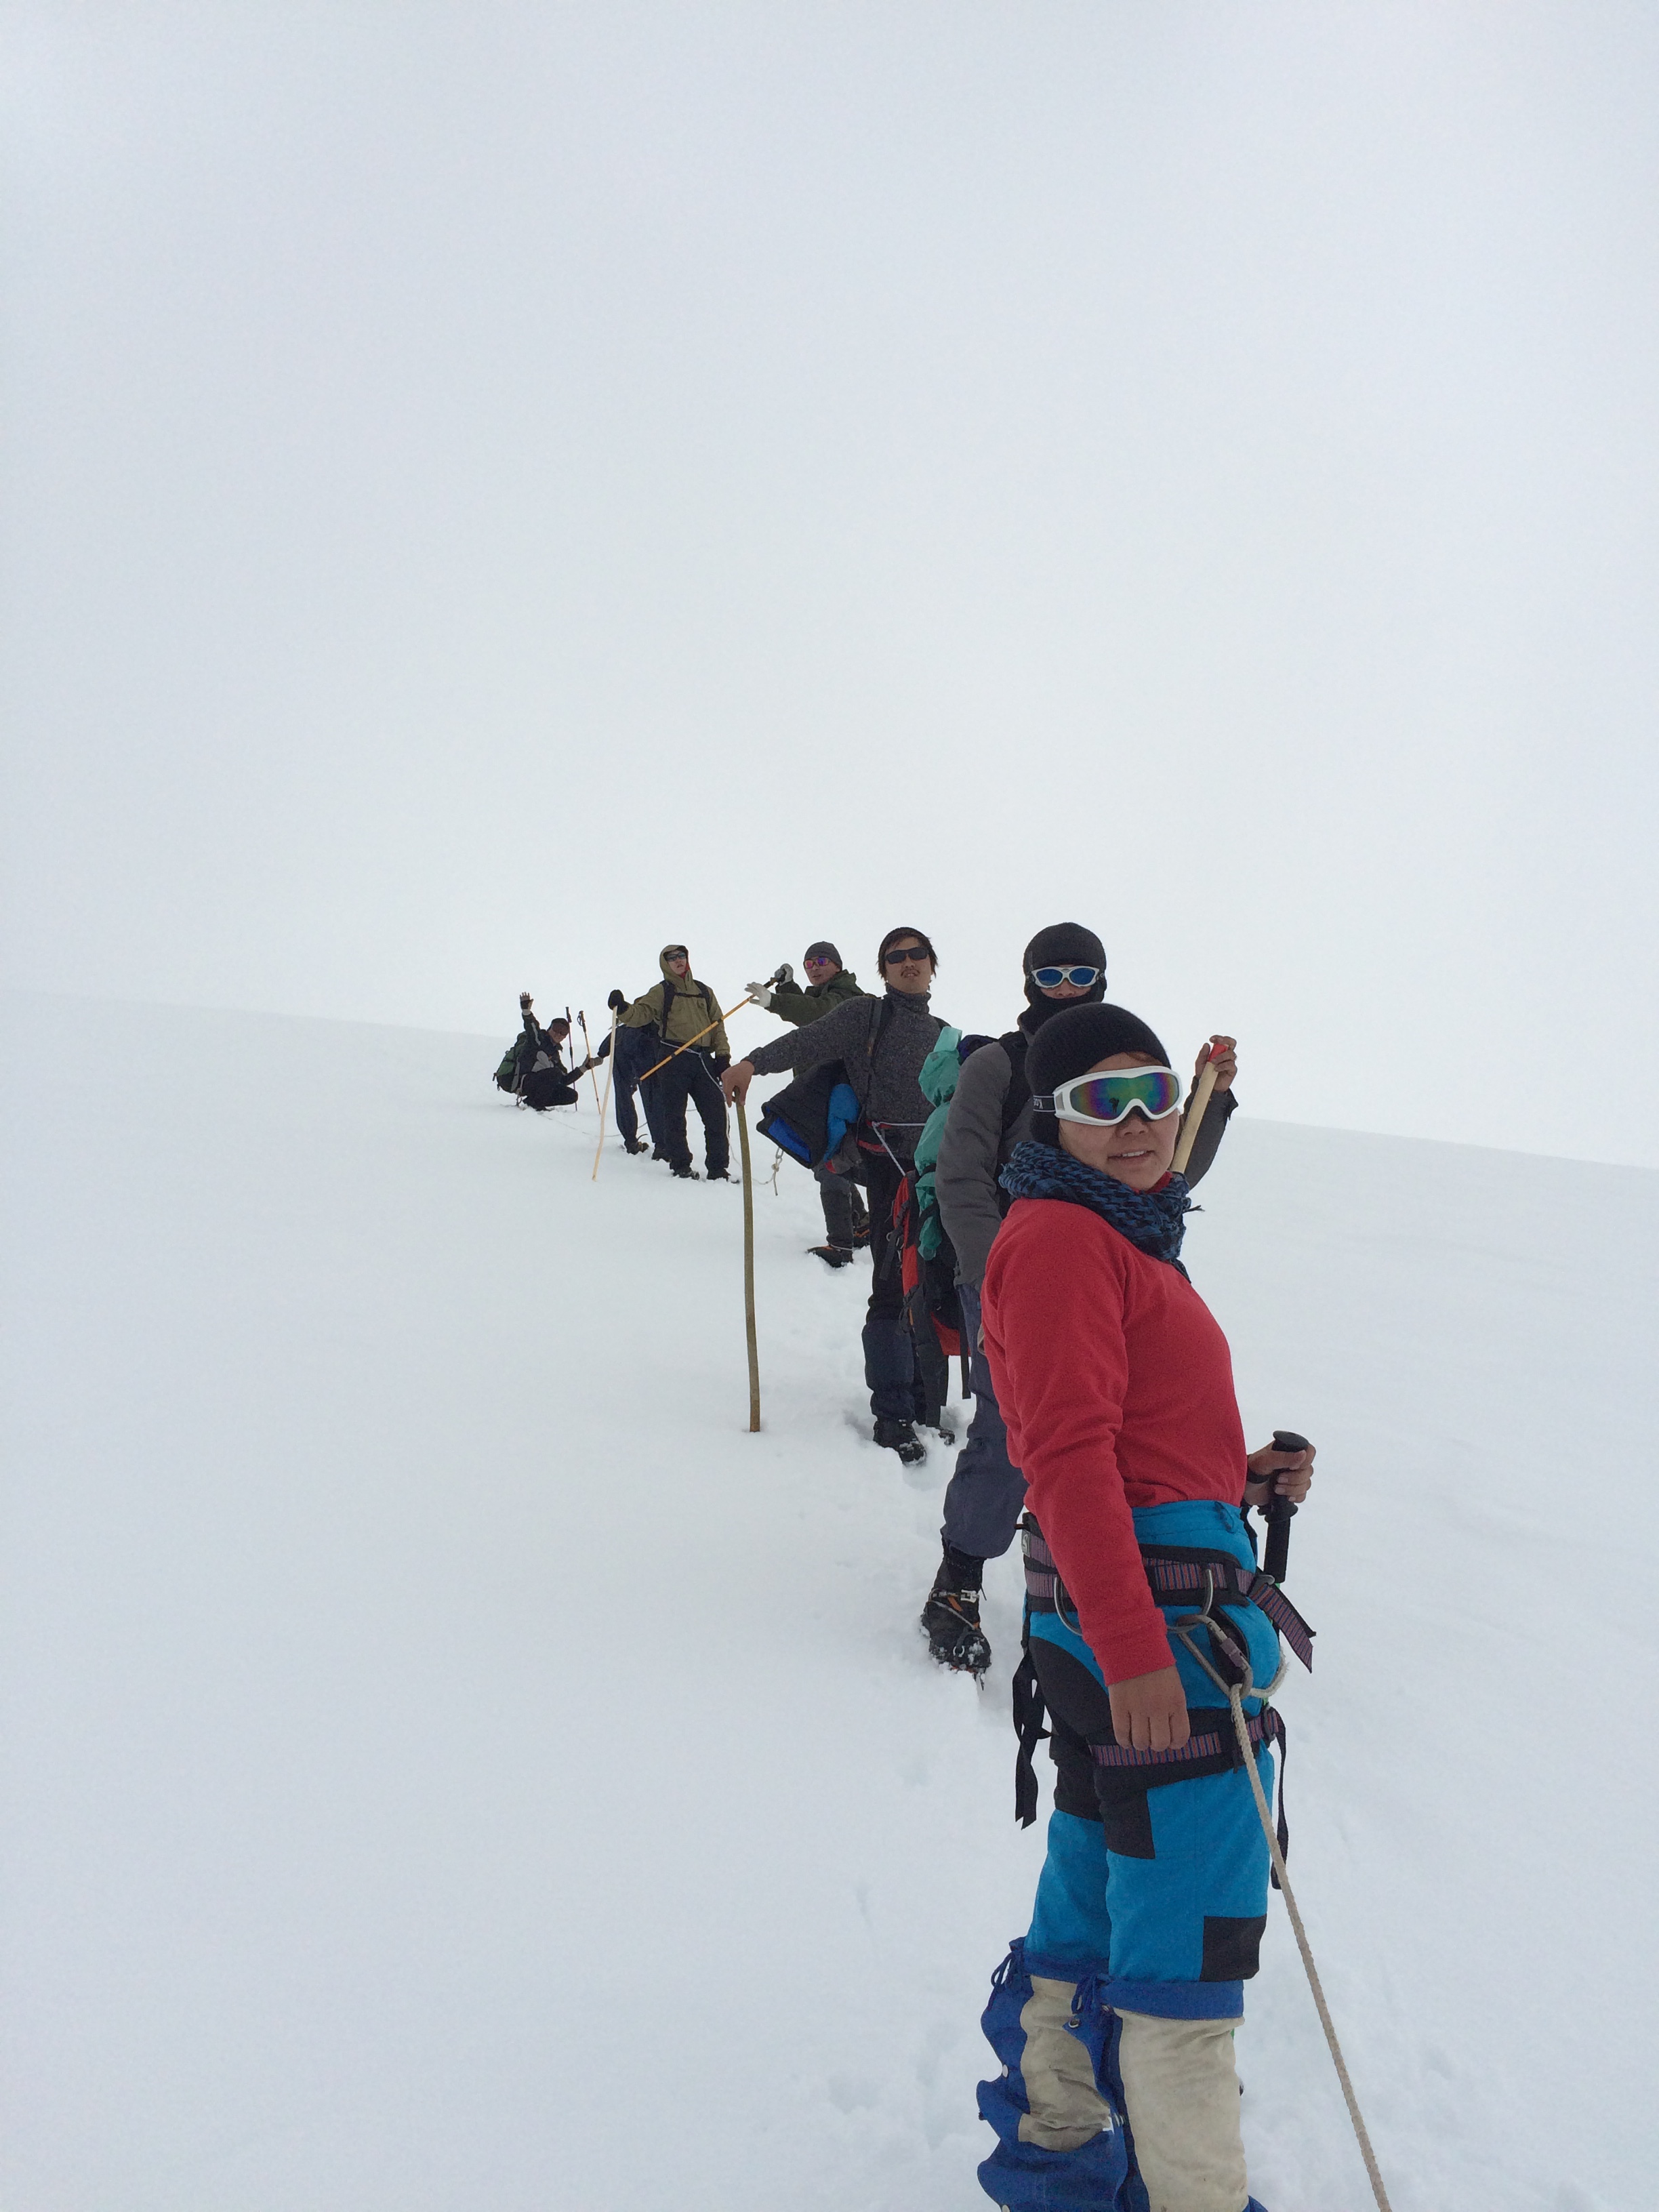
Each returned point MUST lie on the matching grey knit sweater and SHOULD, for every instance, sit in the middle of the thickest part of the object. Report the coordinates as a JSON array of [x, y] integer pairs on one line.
[[886, 1081]]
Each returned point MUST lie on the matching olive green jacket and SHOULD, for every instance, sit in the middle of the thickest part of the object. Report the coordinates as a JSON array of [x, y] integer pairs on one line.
[[791, 1003]]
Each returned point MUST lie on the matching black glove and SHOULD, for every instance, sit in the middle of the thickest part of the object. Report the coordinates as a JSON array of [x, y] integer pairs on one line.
[[720, 1062], [617, 1003]]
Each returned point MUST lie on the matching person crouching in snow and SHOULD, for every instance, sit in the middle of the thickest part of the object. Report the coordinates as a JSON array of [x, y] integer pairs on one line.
[[1116, 1384]]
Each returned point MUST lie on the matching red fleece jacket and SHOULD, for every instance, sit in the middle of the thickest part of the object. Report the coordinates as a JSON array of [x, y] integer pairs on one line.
[[1117, 1387]]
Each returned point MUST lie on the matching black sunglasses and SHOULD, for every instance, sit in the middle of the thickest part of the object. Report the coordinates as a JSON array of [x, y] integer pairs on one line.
[[901, 953]]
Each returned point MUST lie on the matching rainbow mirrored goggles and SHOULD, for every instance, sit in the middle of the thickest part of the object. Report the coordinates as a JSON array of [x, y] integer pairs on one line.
[[1106, 1099]]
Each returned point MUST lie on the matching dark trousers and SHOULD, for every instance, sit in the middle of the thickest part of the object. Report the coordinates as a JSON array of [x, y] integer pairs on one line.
[[636, 1050], [987, 1494], [844, 1211], [890, 1357], [548, 1087], [690, 1075]]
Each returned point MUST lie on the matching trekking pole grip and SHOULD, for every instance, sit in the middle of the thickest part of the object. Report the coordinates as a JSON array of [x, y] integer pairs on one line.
[[1279, 1512]]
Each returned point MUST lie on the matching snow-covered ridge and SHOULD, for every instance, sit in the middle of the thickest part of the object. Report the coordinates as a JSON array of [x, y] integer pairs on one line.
[[449, 1763]]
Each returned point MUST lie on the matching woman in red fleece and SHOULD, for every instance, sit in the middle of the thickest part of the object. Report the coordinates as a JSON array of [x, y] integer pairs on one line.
[[1117, 1387]]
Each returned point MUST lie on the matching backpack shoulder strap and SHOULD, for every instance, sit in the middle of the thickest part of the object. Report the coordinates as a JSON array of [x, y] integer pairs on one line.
[[667, 1003], [1015, 1043]]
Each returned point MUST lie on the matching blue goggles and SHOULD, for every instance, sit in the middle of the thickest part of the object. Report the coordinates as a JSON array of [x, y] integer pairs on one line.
[[1104, 1100], [1049, 978]]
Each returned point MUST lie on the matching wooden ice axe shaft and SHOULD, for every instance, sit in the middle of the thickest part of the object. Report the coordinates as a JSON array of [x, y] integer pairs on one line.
[[1196, 1108], [703, 1032]]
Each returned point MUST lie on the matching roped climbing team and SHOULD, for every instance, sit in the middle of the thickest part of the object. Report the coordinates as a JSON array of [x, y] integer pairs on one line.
[[1105, 1425]]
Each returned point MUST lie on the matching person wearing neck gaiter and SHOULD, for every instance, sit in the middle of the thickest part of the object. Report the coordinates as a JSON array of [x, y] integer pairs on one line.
[[990, 1113], [881, 1044], [1116, 1384]]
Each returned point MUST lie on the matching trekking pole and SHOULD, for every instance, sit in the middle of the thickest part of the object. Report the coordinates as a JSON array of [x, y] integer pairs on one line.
[[1196, 1108], [1278, 1546], [587, 1054], [703, 1032], [610, 1070], [749, 1271], [1279, 1512]]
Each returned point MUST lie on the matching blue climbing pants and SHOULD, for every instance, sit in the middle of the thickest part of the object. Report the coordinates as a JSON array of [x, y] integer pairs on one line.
[[1149, 1916]]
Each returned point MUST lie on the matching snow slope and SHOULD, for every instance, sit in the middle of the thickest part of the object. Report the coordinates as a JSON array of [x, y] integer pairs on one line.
[[448, 1764]]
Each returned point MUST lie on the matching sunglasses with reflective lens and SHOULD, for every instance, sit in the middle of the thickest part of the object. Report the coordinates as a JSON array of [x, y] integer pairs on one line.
[[1049, 978], [901, 953], [1105, 1100]]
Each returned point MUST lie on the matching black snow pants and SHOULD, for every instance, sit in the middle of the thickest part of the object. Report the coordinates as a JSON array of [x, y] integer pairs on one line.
[[690, 1075]]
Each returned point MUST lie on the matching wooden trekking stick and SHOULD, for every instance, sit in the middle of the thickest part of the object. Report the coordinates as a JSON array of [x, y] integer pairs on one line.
[[610, 1070], [749, 1272], [1195, 1110], [587, 1054], [703, 1032]]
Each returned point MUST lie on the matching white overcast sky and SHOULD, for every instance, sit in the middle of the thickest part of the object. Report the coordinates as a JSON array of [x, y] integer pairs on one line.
[[490, 488]]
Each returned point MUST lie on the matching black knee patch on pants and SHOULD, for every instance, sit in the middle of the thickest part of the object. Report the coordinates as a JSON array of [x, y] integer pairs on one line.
[[1232, 1948]]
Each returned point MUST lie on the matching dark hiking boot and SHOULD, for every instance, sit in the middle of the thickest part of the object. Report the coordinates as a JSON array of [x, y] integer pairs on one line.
[[657, 1153], [685, 1175], [719, 1175], [950, 1620], [833, 1256], [632, 1144], [900, 1437], [861, 1235]]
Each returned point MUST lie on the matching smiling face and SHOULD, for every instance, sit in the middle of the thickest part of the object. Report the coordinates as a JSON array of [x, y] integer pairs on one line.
[[1135, 1151]]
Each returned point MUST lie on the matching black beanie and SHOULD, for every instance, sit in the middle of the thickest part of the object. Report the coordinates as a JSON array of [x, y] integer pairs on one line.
[[1062, 944], [1077, 1038], [822, 950]]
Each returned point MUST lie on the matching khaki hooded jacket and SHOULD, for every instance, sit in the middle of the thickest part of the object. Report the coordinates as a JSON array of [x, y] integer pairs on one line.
[[694, 1005]]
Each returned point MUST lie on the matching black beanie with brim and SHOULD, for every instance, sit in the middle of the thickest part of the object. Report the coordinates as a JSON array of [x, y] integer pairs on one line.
[[1062, 944], [1078, 1037]]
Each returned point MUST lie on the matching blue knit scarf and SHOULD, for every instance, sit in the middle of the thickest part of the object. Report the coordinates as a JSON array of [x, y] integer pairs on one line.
[[1154, 1221]]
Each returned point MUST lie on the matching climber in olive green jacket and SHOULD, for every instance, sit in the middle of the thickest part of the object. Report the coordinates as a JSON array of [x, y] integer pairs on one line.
[[828, 984]]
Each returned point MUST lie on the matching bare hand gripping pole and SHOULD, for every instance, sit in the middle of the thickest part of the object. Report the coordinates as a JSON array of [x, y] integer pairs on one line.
[[1279, 1512], [1197, 1106]]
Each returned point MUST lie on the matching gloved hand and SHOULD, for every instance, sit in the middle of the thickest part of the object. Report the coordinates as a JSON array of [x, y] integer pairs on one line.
[[720, 1061], [783, 973], [760, 992], [617, 1003]]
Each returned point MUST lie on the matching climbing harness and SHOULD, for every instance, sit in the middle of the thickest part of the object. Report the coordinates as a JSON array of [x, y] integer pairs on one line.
[[1176, 1577]]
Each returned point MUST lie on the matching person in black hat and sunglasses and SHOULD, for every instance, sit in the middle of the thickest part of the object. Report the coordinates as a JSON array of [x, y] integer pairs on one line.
[[881, 1044], [990, 1113]]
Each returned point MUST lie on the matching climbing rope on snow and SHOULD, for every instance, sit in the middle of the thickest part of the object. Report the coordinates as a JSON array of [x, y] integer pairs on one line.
[[1240, 1729]]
